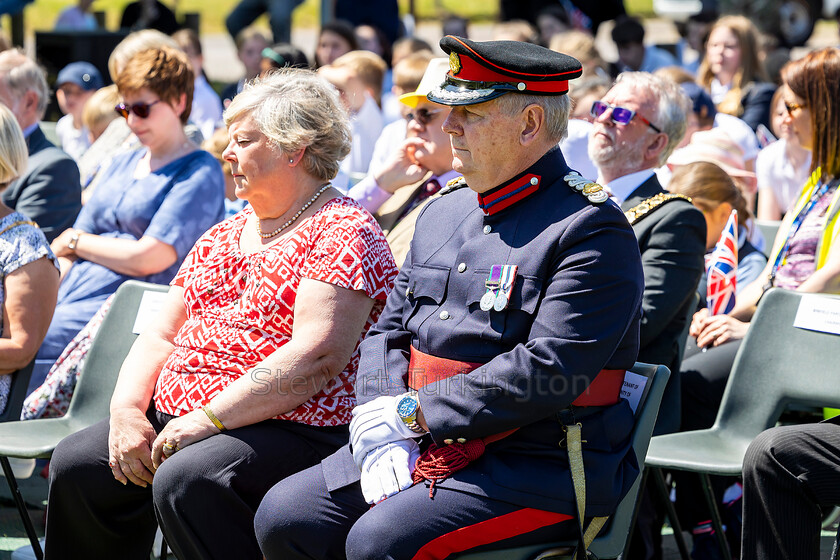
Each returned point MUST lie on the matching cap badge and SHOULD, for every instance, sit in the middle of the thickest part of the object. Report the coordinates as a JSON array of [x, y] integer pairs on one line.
[[593, 191], [454, 63]]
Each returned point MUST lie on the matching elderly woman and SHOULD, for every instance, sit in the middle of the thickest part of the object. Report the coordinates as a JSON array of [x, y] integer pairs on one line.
[[150, 208], [28, 269], [247, 376]]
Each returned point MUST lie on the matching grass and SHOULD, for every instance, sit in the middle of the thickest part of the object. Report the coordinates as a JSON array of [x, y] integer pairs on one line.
[[41, 15]]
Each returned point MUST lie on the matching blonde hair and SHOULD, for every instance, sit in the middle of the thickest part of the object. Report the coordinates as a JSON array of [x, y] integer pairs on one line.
[[216, 145], [580, 45], [408, 73], [13, 155], [709, 186], [99, 109], [134, 43], [297, 109], [368, 67], [750, 68]]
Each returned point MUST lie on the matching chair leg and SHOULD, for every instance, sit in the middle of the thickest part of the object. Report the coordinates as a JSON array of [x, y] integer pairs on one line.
[[21, 506], [662, 488], [706, 482]]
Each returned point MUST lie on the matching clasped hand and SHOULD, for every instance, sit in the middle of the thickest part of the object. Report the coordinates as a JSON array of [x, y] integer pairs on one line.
[[135, 451], [714, 330]]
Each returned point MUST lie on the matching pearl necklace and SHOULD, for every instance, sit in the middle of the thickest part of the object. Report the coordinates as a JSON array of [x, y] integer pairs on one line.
[[293, 218]]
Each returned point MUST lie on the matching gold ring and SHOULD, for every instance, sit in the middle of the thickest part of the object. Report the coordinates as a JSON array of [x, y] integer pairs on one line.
[[169, 449]]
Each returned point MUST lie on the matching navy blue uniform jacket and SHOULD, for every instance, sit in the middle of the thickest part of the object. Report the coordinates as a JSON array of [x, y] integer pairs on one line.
[[574, 310]]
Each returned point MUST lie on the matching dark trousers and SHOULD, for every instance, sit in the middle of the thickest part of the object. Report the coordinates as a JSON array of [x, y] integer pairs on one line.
[[299, 518], [204, 496], [790, 473]]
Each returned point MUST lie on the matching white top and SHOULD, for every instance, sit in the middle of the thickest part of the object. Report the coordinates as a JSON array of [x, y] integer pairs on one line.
[[366, 127], [206, 111], [575, 148], [777, 173], [74, 141]]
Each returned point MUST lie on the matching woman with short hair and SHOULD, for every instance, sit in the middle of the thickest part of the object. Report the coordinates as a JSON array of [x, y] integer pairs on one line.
[[247, 376]]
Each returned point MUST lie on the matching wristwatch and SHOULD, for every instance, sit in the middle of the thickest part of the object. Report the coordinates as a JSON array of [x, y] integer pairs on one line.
[[74, 239], [407, 411]]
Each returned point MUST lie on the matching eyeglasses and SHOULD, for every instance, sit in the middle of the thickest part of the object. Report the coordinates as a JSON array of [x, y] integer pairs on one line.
[[142, 110], [620, 115], [422, 116], [791, 107]]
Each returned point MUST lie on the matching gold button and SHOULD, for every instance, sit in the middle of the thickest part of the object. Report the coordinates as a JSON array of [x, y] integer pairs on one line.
[[448, 441], [462, 440]]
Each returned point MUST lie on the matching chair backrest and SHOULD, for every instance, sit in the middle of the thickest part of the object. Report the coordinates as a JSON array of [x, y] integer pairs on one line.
[[768, 229], [92, 396], [17, 393], [610, 543], [779, 365]]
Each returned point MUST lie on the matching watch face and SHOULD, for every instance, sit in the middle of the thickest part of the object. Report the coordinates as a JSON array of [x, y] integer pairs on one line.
[[406, 407]]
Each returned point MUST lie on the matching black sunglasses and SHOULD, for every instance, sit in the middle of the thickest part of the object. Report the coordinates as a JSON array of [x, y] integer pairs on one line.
[[142, 110], [620, 115], [422, 116]]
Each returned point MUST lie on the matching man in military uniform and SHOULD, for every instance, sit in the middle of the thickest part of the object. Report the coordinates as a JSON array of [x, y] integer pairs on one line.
[[508, 332], [637, 125]]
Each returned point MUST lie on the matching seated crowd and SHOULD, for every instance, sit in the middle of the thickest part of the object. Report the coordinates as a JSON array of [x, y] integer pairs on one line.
[[319, 228]]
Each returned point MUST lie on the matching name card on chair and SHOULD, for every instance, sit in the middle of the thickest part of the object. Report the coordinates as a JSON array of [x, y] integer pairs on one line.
[[148, 309], [633, 389], [818, 313]]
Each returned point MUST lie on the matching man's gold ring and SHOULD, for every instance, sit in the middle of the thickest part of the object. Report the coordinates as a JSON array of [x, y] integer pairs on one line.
[[169, 449]]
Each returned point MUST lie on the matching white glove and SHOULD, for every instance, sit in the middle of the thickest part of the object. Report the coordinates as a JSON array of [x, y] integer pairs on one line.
[[376, 423], [387, 469]]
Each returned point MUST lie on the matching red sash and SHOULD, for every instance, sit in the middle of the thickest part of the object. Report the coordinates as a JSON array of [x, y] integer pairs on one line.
[[437, 463]]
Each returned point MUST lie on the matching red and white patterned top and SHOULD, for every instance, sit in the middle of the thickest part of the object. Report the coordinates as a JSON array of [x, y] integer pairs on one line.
[[240, 307]]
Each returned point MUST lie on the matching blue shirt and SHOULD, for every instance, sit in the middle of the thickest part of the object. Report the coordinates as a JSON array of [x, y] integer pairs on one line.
[[174, 204]]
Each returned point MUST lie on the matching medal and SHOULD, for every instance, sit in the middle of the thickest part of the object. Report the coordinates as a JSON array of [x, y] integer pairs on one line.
[[487, 301], [505, 287], [492, 284], [500, 301]]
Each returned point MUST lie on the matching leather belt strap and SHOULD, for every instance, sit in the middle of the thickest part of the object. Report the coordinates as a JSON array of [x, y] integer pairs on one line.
[[424, 369]]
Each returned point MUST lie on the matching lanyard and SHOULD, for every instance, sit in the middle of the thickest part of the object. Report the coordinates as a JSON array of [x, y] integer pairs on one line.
[[794, 227]]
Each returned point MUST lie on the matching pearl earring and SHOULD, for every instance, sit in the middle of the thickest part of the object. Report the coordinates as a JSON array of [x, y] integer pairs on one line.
[[291, 161]]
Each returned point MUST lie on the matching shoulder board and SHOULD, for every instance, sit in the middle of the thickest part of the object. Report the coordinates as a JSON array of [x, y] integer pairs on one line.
[[453, 185], [592, 191], [648, 205]]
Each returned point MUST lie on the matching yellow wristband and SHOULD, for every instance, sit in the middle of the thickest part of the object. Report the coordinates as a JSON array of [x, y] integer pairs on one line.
[[212, 417]]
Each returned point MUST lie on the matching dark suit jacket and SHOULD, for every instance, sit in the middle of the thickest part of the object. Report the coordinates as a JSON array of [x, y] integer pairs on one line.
[[49, 192], [399, 230], [672, 240]]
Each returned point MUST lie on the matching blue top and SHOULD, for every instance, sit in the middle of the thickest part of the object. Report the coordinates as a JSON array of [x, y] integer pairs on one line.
[[174, 204], [21, 243]]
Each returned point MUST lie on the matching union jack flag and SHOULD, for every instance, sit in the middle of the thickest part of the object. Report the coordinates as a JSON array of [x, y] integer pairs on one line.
[[721, 269]]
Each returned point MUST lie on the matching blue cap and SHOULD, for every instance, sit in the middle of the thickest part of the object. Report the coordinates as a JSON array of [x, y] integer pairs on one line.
[[83, 74], [701, 101]]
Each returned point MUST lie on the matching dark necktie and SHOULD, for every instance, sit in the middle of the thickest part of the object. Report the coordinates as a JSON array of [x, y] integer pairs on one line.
[[428, 189]]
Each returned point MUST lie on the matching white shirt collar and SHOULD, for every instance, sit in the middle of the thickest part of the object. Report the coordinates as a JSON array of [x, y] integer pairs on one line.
[[623, 187]]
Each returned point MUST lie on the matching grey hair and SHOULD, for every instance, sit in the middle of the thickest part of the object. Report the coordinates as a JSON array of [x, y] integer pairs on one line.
[[21, 74], [296, 109], [672, 106], [556, 107], [13, 154]]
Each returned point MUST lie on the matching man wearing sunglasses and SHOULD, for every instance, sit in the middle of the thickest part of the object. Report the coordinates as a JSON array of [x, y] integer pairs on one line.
[[637, 124], [49, 191], [418, 169]]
